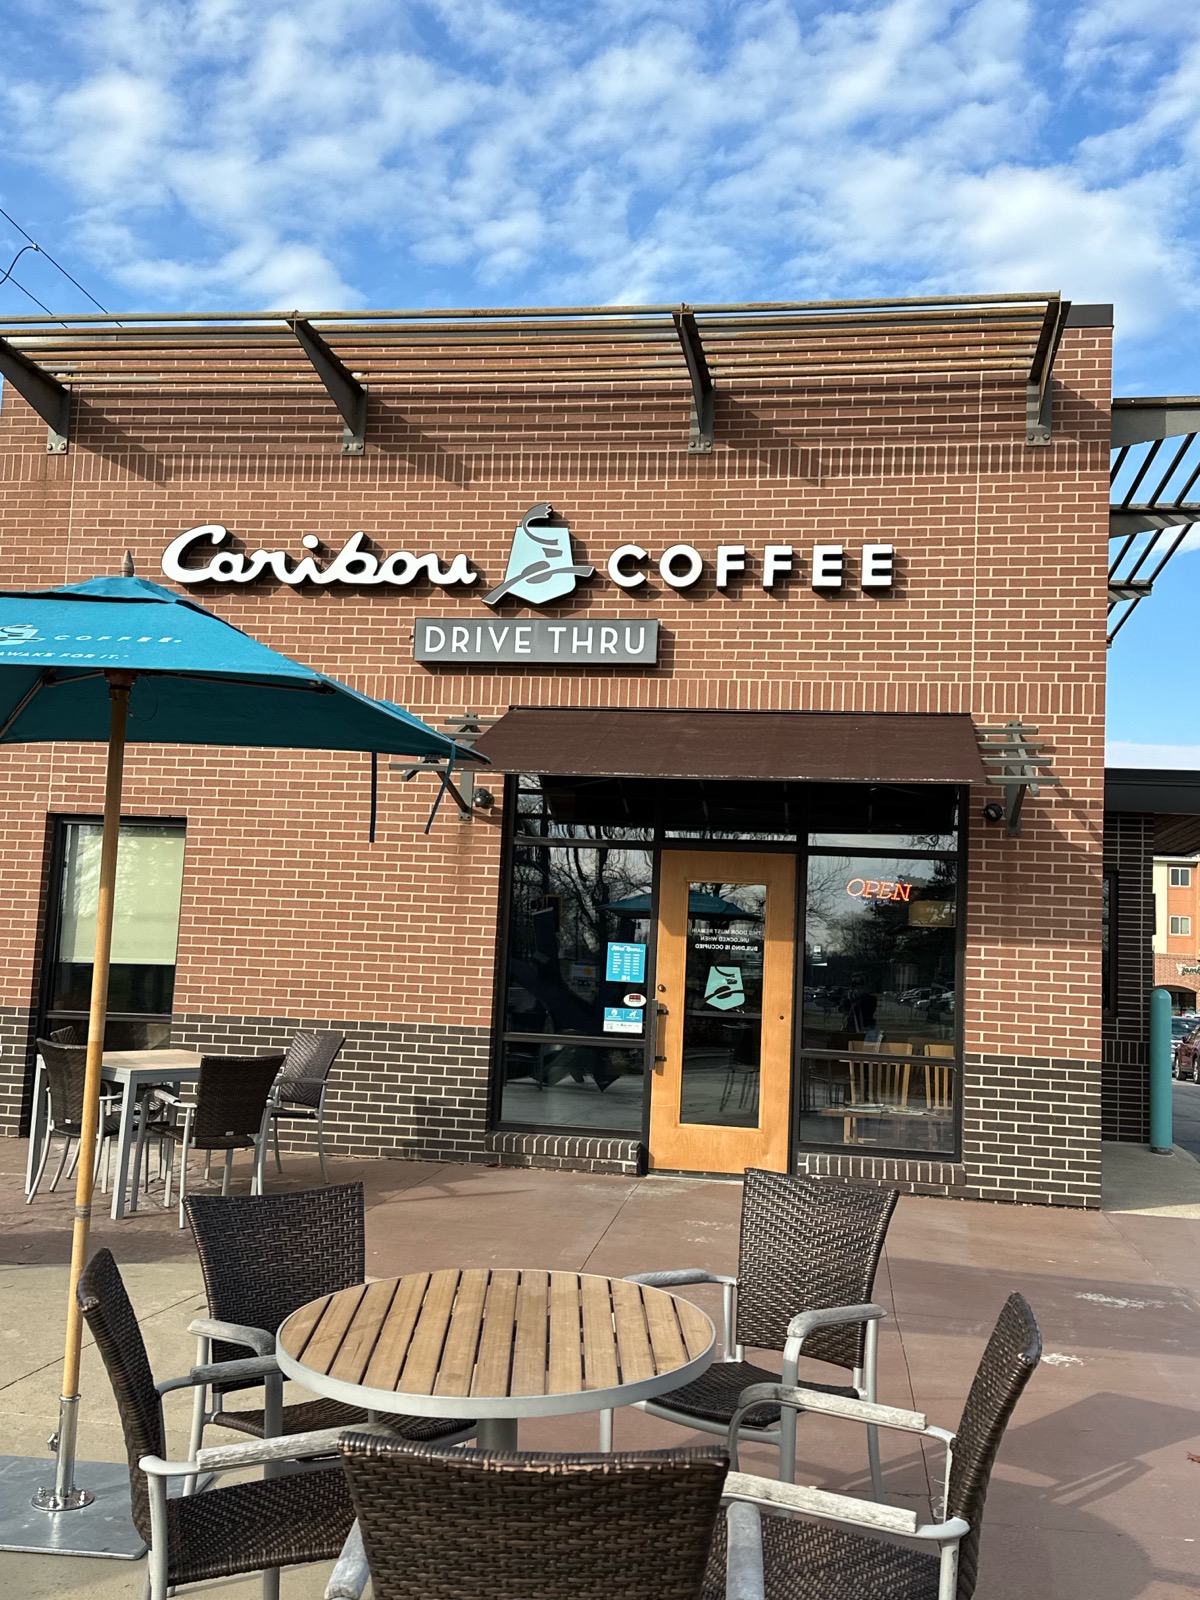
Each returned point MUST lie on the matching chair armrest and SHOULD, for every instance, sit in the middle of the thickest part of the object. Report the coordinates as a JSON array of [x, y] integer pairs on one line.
[[257, 1339], [254, 1452], [822, 1503], [833, 1405], [166, 1097], [291, 1447], [351, 1574], [222, 1371], [832, 1317], [744, 1554], [677, 1278]]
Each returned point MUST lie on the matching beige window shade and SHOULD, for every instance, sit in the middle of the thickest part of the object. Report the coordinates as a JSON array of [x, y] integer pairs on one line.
[[146, 910]]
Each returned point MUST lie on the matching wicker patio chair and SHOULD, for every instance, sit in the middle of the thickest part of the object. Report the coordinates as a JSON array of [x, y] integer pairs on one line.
[[227, 1114], [262, 1257], [777, 1557], [472, 1525], [806, 1268], [66, 1069], [298, 1093], [262, 1525]]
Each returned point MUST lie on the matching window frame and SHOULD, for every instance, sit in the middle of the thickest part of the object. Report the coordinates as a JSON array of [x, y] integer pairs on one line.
[[59, 823], [654, 842], [1179, 877], [1180, 931]]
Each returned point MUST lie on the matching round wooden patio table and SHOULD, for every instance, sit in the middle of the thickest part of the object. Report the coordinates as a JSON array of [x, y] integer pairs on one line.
[[495, 1345]]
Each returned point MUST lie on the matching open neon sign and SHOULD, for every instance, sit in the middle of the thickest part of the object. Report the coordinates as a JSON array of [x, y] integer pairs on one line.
[[878, 889]]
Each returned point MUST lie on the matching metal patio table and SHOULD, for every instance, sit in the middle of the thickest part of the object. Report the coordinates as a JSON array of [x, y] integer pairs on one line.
[[495, 1345], [134, 1070]]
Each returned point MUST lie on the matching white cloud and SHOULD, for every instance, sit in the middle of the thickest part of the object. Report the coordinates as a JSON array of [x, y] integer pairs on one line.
[[634, 149], [1127, 753]]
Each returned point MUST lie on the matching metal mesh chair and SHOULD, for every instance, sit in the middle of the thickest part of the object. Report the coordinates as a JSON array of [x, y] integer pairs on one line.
[[246, 1527], [298, 1094], [780, 1558], [227, 1114], [479, 1526], [66, 1069], [262, 1257], [806, 1269]]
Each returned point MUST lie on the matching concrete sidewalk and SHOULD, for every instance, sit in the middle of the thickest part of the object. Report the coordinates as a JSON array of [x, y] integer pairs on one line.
[[1093, 1497]]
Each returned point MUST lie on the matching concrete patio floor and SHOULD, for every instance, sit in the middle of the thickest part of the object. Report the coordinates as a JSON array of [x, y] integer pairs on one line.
[[1093, 1496]]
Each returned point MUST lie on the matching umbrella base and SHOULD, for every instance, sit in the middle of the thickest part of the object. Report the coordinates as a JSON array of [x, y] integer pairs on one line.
[[101, 1527]]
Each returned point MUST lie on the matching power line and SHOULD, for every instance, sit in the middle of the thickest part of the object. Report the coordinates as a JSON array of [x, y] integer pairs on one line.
[[41, 251], [16, 282]]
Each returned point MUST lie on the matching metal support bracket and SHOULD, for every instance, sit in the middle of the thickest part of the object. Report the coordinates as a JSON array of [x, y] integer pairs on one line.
[[45, 394], [343, 388], [700, 438], [469, 799], [1039, 391], [1039, 413], [1017, 765]]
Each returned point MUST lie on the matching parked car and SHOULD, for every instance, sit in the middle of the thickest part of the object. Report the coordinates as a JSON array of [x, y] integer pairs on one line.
[[1186, 1060]]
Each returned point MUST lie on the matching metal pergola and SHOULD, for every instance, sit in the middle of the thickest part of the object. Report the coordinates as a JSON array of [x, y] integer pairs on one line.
[[1154, 504], [698, 349]]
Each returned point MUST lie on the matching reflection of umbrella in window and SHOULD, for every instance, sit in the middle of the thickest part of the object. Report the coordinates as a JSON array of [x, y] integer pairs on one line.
[[700, 904]]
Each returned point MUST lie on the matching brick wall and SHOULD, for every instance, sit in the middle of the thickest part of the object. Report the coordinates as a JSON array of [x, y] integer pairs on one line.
[[289, 912]]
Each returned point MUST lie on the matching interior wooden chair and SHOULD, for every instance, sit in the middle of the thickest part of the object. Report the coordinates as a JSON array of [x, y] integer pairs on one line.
[[876, 1084]]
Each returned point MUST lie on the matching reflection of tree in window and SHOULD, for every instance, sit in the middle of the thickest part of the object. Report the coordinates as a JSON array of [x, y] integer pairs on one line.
[[567, 908]]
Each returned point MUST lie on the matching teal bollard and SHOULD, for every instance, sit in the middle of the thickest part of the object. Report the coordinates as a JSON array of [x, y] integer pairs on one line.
[[1161, 1089]]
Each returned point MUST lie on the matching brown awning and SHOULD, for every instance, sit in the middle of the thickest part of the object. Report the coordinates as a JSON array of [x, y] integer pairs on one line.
[[814, 746]]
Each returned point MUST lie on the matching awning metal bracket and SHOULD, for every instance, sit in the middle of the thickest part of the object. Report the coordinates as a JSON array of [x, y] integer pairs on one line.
[[343, 388], [1015, 761], [464, 730], [1039, 391], [700, 438], [49, 398]]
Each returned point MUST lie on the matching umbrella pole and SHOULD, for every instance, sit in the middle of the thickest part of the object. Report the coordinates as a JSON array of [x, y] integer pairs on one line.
[[65, 1496]]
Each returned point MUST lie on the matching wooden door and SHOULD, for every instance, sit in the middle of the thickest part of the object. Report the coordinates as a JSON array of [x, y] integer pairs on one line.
[[721, 1087]]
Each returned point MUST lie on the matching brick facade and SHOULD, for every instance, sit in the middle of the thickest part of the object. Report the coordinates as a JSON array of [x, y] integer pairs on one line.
[[291, 914]]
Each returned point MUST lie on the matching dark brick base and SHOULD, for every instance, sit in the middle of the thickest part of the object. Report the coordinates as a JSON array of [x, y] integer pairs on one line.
[[569, 1152], [415, 1090], [16, 1054], [419, 1091]]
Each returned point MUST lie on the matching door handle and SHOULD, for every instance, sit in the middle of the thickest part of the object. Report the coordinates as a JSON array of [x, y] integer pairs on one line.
[[660, 1012]]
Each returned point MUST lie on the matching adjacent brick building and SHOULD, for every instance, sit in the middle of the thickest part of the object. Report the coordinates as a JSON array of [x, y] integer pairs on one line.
[[857, 972]]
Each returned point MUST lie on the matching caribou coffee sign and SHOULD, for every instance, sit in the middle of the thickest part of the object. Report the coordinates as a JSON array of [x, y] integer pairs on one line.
[[542, 567]]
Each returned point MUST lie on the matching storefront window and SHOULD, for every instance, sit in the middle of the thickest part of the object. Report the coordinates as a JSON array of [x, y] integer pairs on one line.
[[145, 931], [579, 932], [880, 1002]]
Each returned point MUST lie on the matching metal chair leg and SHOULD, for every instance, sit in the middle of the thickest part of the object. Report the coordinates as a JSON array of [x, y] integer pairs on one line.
[[208, 1166], [67, 1142], [321, 1147], [41, 1168], [275, 1134], [225, 1176], [184, 1150], [606, 1431]]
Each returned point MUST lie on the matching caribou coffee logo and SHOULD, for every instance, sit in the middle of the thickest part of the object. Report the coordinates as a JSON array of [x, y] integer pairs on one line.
[[541, 563]]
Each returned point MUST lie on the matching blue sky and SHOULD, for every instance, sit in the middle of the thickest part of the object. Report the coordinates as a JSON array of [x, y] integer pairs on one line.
[[240, 154]]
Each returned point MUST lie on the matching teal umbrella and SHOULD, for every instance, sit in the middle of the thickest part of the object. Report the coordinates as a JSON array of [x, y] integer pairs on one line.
[[119, 659]]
